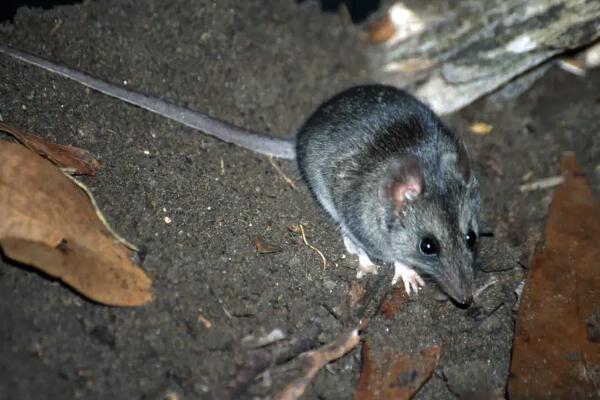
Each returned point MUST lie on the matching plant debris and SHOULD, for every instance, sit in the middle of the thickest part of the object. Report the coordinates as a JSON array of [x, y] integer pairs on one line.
[[298, 228], [71, 159], [317, 359], [559, 299], [205, 321], [396, 376], [355, 294], [257, 360], [480, 128], [391, 303], [287, 179], [49, 223], [265, 248], [540, 184], [253, 342]]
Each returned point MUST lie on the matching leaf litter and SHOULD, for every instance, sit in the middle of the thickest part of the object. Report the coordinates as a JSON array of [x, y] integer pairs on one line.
[[71, 159], [50, 224], [561, 299]]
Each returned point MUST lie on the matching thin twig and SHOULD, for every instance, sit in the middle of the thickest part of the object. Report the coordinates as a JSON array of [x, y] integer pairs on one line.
[[287, 180], [490, 282], [540, 184], [312, 247]]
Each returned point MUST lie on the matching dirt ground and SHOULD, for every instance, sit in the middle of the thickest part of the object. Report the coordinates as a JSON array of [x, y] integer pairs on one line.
[[265, 67]]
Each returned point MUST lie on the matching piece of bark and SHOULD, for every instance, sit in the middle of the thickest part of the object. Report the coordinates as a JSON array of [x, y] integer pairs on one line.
[[471, 48], [73, 159], [553, 354], [315, 360], [46, 221], [258, 360], [355, 294], [396, 376]]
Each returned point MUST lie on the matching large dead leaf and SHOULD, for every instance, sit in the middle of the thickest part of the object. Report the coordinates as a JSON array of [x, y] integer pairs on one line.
[[554, 354], [48, 222], [396, 376], [74, 159]]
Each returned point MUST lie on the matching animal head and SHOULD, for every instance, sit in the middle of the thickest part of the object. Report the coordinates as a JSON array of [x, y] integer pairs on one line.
[[431, 217]]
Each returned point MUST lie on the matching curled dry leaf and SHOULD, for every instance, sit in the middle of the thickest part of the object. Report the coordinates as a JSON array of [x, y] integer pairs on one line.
[[264, 248], [73, 159], [49, 223], [395, 377]]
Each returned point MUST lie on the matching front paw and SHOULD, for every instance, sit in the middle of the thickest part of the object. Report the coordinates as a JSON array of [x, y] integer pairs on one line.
[[409, 276]]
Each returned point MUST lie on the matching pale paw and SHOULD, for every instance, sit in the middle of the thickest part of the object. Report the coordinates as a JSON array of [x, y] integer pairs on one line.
[[365, 266], [409, 276]]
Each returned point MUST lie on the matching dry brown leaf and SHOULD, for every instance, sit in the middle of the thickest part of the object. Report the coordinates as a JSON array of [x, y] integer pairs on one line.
[[480, 128], [355, 294], [73, 159], [264, 248], [49, 223], [381, 31], [561, 300], [396, 377], [391, 303]]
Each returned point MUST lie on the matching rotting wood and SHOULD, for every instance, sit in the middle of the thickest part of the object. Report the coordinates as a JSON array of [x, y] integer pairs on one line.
[[470, 48]]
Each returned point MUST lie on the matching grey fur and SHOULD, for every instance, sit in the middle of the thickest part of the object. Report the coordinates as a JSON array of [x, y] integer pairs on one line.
[[344, 150]]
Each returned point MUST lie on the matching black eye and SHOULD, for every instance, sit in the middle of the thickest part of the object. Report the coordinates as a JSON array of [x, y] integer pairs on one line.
[[471, 239], [428, 246]]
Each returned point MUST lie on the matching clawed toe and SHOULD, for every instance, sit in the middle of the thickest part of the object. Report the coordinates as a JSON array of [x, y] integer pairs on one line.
[[412, 280]]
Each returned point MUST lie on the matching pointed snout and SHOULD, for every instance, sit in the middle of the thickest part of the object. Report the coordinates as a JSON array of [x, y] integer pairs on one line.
[[459, 288], [465, 301]]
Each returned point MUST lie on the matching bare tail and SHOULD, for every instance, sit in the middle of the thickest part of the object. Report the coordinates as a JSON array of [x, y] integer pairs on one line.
[[224, 131]]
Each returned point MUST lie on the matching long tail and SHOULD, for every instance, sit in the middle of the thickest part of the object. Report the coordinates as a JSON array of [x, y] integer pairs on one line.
[[194, 119]]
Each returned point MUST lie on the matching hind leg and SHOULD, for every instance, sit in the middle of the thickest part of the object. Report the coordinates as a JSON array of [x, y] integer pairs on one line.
[[365, 265]]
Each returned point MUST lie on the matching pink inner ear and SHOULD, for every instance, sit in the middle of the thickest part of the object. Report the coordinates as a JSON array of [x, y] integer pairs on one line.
[[406, 192]]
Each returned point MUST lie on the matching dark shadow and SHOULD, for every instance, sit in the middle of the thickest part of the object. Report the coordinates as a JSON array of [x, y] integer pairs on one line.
[[359, 9], [8, 8]]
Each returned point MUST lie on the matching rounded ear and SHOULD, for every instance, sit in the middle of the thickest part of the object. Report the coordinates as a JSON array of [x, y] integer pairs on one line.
[[457, 163], [401, 183]]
